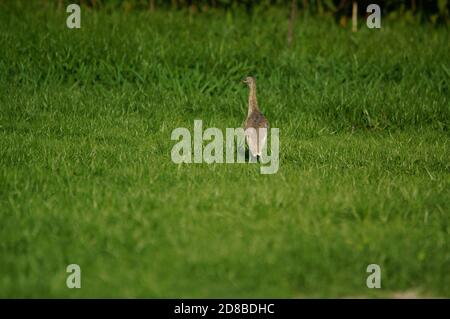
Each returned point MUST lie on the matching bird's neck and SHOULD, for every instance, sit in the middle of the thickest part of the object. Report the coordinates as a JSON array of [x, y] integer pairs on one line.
[[252, 102]]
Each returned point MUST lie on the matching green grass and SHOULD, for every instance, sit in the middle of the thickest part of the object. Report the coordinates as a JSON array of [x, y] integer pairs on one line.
[[86, 175]]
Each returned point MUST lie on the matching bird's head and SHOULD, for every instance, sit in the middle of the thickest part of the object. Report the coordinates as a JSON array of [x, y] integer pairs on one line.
[[250, 81]]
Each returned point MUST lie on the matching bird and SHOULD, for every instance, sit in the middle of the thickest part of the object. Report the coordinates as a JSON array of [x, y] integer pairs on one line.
[[256, 139]]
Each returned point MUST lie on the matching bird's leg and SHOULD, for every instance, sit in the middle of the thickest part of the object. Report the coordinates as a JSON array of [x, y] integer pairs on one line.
[[252, 158]]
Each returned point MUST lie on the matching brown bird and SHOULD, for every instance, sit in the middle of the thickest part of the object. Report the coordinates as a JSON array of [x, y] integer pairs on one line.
[[256, 139]]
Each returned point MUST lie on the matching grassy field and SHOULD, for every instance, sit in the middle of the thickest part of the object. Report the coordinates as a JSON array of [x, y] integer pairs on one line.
[[86, 175]]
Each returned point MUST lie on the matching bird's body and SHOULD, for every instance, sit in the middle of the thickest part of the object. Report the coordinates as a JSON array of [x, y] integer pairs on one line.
[[256, 125]]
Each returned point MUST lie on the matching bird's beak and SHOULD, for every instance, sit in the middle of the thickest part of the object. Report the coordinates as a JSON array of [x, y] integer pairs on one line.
[[243, 81]]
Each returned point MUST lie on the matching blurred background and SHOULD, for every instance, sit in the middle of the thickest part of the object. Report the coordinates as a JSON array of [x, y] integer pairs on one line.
[[435, 11]]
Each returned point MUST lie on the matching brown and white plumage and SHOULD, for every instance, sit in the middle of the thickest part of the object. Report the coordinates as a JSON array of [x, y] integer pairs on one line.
[[257, 138]]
